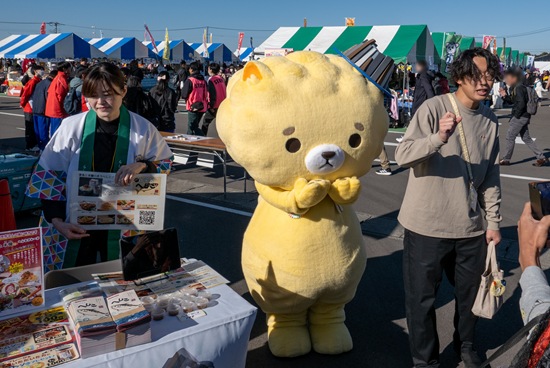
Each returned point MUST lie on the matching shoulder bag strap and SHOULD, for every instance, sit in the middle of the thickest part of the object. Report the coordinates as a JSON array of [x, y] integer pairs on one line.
[[463, 145], [514, 340]]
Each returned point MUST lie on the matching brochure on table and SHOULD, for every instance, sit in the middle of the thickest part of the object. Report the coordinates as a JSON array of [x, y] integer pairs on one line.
[[21, 271], [97, 203], [40, 339]]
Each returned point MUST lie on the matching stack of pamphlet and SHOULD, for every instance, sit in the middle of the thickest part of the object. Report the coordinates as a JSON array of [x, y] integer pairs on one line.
[[94, 327], [130, 318], [40, 339], [103, 325]]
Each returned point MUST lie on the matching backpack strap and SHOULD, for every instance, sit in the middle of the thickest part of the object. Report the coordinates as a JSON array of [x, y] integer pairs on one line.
[[514, 340]]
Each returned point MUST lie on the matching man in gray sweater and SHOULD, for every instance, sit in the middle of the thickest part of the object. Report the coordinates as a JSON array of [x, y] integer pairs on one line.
[[450, 211]]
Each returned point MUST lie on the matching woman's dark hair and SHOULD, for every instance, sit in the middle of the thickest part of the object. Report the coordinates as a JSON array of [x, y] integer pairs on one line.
[[63, 66], [103, 75], [214, 67], [162, 83], [125, 71], [194, 66], [465, 68], [81, 72], [52, 74], [133, 82]]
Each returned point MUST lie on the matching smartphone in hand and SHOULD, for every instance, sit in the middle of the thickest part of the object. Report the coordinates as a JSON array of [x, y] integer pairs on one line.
[[539, 195]]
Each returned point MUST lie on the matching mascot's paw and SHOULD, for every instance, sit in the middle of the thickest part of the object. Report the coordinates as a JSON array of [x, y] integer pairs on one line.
[[289, 342], [309, 194], [331, 338], [345, 190]]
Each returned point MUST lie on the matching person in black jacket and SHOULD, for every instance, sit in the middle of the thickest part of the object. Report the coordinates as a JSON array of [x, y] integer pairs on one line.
[[423, 89], [519, 123], [140, 102], [167, 99], [183, 74], [135, 70], [40, 120]]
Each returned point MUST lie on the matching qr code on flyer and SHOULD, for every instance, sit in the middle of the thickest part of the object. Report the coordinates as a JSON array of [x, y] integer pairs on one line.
[[146, 217]]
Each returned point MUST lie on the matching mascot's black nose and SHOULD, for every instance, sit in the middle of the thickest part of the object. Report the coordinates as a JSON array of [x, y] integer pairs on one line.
[[327, 155]]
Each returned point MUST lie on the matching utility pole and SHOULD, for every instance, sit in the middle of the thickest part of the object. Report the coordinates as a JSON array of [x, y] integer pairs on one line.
[[54, 24]]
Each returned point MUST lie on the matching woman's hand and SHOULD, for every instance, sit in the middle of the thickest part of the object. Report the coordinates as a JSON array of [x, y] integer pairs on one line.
[[126, 173], [69, 231]]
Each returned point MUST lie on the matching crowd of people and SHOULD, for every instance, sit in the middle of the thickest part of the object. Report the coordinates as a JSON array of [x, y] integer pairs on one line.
[[518, 88], [50, 96], [444, 234]]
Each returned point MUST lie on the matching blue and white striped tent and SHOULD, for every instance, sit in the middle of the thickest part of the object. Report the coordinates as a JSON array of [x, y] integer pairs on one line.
[[127, 48], [217, 52], [244, 53], [58, 46], [179, 50]]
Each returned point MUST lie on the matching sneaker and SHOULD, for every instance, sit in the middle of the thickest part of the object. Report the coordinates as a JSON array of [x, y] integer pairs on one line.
[[469, 356], [399, 140], [384, 172], [541, 162], [504, 163]]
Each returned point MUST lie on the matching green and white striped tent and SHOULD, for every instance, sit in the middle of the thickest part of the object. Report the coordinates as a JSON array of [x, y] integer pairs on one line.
[[402, 43]]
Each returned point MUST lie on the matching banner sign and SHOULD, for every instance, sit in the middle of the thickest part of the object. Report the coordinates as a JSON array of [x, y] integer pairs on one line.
[[451, 50], [241, 38]]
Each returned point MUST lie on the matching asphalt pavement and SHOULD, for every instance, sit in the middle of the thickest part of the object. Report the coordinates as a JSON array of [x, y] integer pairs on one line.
[[211, 227]]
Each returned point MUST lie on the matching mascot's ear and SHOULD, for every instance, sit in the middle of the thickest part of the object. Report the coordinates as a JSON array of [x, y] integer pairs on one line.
[[258, 70]]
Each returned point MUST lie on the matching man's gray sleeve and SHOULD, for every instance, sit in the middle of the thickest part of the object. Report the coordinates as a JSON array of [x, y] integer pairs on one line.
[[535, 296]]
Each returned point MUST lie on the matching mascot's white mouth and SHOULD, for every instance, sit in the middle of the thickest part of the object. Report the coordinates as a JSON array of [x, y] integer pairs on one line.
[[325, 159]]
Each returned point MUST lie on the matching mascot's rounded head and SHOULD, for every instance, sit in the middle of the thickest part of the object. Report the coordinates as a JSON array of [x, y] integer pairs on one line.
[[305, 115]]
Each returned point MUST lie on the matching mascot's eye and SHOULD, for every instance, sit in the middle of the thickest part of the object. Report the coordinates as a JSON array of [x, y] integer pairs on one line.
[[355, 140], [293, 145]]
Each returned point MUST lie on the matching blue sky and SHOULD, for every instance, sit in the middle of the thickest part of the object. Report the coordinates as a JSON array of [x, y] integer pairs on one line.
[[259, 18]]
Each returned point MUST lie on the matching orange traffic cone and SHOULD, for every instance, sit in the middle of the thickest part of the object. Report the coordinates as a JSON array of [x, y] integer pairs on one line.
[[7, 215]]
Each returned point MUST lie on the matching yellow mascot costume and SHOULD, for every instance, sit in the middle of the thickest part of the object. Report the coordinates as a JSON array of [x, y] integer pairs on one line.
[[306, 127]]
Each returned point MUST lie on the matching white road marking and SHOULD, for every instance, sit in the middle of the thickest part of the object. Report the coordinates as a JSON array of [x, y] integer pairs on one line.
[[10, 114], [522, 177], [23, 129], [520, 141], [208, 205], [509, 176]]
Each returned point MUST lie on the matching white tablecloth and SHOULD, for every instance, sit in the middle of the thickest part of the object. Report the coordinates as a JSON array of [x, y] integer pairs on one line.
[[220, 337]]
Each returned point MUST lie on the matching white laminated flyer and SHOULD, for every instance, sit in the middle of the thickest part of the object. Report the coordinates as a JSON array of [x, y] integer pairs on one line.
[[97, 203]]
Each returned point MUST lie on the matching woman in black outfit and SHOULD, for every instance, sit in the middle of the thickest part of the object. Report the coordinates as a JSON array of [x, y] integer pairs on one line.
[[140, 102], [167, 99]]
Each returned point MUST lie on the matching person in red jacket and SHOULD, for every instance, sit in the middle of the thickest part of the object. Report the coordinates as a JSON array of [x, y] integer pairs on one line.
[[56, 97], [37, 72], [216, 94], [195, 92]]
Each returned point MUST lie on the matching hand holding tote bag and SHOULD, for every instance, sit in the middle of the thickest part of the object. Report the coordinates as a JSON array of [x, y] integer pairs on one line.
[[489, 296]]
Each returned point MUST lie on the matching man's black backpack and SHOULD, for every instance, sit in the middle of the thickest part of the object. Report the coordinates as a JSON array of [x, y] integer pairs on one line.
[[73, 102]]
